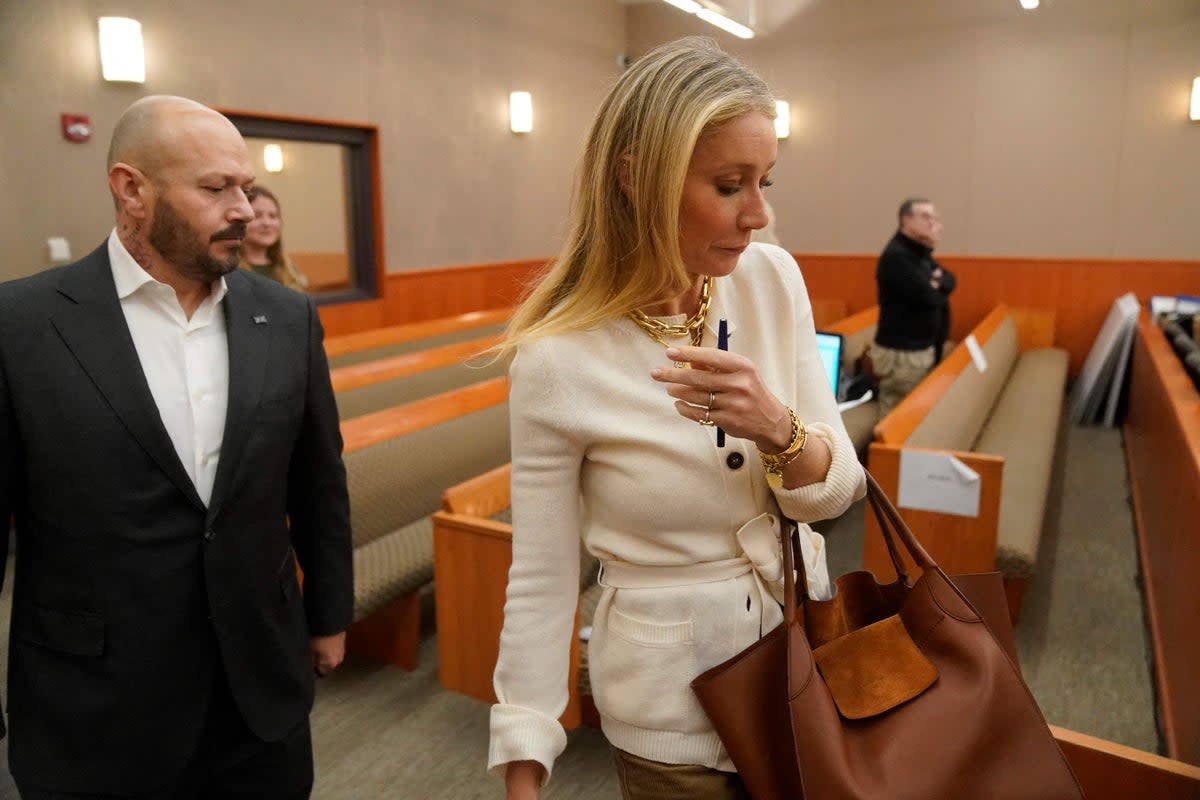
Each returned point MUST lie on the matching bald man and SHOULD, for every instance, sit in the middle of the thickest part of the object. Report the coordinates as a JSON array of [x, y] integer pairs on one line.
[[169, 448]]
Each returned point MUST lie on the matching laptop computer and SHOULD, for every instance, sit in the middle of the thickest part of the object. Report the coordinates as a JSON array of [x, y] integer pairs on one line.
[[829, 345]]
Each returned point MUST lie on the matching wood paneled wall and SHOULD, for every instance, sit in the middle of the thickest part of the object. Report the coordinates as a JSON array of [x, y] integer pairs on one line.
[[422, 294], [1162, 448], [1079, 290]]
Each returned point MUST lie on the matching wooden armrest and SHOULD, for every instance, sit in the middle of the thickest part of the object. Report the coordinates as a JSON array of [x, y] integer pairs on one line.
[[481, 496]]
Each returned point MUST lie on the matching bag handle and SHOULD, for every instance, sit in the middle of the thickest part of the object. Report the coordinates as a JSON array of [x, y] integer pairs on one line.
[[891, 525]]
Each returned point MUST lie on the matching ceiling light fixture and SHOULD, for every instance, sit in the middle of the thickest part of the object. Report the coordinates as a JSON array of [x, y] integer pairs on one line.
[[1029, 5], [713, 18]]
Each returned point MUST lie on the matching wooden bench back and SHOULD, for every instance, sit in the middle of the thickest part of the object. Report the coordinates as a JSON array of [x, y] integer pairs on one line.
[[399, 461], [1001, 335]]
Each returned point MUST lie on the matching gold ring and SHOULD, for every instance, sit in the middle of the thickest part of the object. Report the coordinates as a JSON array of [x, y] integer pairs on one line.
[[705, 420], [712, 397]]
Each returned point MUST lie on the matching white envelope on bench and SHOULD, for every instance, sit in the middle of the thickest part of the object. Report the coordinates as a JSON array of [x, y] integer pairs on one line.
[[933, 481]]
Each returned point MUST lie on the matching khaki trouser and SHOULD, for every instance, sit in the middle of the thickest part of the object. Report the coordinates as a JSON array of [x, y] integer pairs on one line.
[[642, 779], [899, 372]]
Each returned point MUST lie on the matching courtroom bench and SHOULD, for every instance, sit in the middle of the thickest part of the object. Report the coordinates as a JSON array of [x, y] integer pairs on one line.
[[398, 463], [473, 552], [1162, 452], [355, 348], [1003, 424], [371, 386], [472, 542]]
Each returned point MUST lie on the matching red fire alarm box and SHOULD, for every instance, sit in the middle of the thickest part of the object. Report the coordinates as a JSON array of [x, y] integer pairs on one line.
[[76, 127]]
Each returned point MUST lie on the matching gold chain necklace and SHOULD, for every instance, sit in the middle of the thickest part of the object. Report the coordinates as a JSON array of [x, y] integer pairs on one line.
[[693, 327]]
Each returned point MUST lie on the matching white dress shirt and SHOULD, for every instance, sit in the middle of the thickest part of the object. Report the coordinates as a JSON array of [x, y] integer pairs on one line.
[[186, 362]]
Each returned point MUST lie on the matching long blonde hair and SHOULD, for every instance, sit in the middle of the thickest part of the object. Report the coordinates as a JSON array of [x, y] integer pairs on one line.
[[622, 247]]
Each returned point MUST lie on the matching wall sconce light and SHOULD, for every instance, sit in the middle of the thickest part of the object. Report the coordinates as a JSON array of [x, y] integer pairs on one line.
[[273, 158], [121, 55], [1029, 5], [783, 119], [520, 112], [1195, 112]]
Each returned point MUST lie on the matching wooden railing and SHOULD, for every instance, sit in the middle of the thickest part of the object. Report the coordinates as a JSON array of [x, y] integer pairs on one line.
[[1162, 449]]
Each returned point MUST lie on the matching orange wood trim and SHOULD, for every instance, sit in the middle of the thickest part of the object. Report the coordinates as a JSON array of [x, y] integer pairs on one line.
[[483, 266], [959, 545], [240, 112], [1111, 771], [481, 496], [426, 294], [369, 429], [896, 427], [392, 635], [855, 322], [827, 312], [1162, 450], [1079, 290], [383, 369], [354, 342]]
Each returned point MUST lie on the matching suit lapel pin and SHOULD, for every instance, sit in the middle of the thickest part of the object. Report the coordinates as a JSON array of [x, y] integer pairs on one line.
[[260, 319]]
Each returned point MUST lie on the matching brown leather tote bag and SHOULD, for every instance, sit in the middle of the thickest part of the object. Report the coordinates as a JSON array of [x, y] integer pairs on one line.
[[885, 692]]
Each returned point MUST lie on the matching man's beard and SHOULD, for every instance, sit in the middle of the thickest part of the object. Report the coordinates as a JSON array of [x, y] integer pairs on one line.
[[185, 250]]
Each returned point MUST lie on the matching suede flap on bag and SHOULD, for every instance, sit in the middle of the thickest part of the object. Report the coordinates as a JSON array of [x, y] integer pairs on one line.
[[874, 669]]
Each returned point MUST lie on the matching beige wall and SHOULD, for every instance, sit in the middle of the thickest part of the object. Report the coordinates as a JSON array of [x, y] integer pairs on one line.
[[1058, 132], [1061, 132], [434, 76]]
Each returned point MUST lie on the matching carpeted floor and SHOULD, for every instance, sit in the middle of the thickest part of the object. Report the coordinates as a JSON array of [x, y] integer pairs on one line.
[[380, 732]]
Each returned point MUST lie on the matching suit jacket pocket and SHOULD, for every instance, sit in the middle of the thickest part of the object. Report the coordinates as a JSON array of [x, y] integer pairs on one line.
[[63, 631]]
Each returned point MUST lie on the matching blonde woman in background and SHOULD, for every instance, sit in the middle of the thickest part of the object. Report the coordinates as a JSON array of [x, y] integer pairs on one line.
[[617, 389], [262, 249]]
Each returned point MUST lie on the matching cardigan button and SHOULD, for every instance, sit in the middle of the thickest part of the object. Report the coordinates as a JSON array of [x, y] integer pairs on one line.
[[209, 535], [735, 460]]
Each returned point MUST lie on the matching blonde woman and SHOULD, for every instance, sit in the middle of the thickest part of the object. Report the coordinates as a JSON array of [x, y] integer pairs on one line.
[[618, 390], [262, 249]]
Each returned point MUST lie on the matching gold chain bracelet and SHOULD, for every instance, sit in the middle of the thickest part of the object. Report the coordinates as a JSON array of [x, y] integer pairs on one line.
[[775, 462]]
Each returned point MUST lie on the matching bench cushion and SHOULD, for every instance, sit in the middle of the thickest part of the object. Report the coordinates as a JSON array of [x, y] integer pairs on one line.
[[392, 566], [956, 420], [860, 423], [1023, 428], [406, 388], [400, 480]]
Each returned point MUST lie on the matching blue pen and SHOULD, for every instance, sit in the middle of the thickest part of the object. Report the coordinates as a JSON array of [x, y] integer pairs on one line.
[[722, 344]]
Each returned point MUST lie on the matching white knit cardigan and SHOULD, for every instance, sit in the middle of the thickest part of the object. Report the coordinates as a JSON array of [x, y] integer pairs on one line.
[[599, 452]]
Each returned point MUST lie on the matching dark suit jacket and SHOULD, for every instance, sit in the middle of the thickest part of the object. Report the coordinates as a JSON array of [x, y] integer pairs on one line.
[[129, 593]]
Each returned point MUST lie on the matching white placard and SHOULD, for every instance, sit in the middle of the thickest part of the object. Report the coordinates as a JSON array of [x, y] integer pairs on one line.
[[935, 481], [976, 353]]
